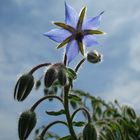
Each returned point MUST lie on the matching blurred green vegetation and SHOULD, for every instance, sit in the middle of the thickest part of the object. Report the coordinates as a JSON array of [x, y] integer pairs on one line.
[[112, 121]]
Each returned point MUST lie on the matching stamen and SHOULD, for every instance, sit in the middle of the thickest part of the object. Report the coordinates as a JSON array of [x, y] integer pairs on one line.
[[79, 36]]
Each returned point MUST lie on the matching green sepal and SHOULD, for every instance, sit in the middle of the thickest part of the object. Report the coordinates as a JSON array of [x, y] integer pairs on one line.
[[93, 32], [67, 40], [71, 73], [81, 18], [81, 47], [64, 26]]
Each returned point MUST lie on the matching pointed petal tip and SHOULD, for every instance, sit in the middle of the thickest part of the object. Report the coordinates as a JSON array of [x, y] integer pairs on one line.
[[52, 22], [65, 3], [71, 15], [101, 12], [45, 34]]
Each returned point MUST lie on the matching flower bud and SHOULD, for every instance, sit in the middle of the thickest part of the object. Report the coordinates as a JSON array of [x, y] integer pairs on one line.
[[62, 76], [50, 77], [89, 132], [94, 57], [23, 86], [26, 123]]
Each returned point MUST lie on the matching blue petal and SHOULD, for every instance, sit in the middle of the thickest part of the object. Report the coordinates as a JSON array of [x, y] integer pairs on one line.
[[90, 41], [71, 16], [72, 50], [57, 35], [92, 23]]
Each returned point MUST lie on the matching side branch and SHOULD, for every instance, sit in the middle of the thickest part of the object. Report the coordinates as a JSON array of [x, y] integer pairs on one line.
[[39, 66], [79, 64], [48, 126], [68, 116], [81, 109], [44, 98]]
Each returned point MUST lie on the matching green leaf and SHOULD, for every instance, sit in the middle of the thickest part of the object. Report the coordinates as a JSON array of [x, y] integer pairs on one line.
[[128, 112], [80, 92], [70, 82], [74, 97], [56, 113], [99, 111], [131, 113], [66, 138], [73, 104], [78, 124], [72, 74]]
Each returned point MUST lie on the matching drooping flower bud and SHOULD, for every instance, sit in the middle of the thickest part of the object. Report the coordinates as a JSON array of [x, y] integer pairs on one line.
[[94, 57], [62, 76], [23, 86], [50, 77], [89, 132], [26, 123]]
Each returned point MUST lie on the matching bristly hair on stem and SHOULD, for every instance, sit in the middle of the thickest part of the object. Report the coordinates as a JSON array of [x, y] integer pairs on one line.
[[45, 98], [50, 125], [79, 64]]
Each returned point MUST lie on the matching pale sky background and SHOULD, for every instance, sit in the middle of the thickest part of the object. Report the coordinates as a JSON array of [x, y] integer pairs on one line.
[[22, 46]]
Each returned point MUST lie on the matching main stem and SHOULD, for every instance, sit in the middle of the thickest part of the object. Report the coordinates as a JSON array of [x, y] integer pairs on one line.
[[68, 117]]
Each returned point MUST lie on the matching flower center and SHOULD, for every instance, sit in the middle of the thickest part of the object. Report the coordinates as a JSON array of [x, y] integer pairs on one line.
[[79, 36]]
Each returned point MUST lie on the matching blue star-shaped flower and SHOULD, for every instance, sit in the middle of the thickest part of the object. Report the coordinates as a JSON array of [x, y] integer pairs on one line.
[[76, 32]]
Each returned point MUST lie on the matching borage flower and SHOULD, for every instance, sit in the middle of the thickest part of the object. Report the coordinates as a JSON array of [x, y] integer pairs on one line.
[[76, 32]]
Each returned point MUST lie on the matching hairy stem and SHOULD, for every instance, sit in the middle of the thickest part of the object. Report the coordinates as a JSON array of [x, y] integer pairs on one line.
[[44, 98], [65, 59], [68, 117], [79, 64], [39, 66], [82, 109], [50, 125]]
